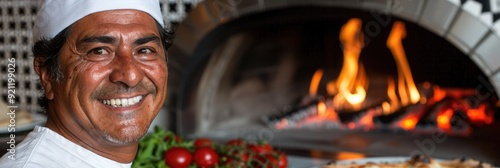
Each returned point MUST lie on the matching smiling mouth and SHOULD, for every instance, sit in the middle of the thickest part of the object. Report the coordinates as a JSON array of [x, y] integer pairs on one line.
[[124, 102]]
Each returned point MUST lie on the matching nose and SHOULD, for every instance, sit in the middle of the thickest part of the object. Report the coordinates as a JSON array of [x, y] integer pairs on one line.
[[126, 69]]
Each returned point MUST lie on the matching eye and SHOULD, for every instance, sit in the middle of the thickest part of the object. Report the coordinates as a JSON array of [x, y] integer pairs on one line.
[[98, 51], [99, 54], [145, 51]]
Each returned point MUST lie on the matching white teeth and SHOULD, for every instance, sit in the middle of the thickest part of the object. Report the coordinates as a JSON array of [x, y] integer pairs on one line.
[[124, 102]]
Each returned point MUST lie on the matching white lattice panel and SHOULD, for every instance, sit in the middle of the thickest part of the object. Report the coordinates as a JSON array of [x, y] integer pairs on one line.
[[16, 21]]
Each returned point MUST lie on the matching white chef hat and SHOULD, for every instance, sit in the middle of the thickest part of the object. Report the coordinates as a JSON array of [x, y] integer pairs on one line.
[[55, 15]]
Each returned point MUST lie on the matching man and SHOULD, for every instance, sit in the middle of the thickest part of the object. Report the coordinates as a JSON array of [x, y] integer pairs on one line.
[[102, 64]]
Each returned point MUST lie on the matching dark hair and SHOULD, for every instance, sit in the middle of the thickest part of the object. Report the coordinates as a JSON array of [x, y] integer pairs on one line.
[[46, 52]]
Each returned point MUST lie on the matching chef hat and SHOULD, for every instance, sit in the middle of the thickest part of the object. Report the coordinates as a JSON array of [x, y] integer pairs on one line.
[[55, 15]]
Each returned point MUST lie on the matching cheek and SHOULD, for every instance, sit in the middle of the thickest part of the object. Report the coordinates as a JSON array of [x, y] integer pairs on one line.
[[84, 78], [164, 79], [158, 74]]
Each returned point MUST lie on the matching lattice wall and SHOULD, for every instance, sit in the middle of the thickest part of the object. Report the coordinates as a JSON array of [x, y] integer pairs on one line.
[[16, 20]]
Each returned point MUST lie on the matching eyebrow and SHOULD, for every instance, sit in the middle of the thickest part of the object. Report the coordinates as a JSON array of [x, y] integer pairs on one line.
[[147, 39], [98, 39], [111, 40]]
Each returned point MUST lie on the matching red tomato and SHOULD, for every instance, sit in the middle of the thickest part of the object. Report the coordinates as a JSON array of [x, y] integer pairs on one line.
[[239, 154], [282, 160], [261, 148], [237, 157], [236, 142], [206, 157], [176, 138], [203, 142], [272, 160], [235, 163], [177, 157]]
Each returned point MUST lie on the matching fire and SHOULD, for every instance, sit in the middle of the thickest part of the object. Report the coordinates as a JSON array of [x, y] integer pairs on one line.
[[352, 79], [313, 88], [349, 91], [350, 88], [393, 104], [479, 115], [327, 113], [322, 109], [408, 92], [367, 120], [443, 119], [407, 88], [409, 122], [439, 94]]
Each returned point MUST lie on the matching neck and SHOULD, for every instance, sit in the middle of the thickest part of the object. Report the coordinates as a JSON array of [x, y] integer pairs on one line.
[[122, 153]]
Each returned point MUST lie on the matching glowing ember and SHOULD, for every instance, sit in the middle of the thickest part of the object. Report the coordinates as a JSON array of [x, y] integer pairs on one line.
[[367, 120], [327, 113], [409, 122], [439, 94], [443, 119], [479, 115]]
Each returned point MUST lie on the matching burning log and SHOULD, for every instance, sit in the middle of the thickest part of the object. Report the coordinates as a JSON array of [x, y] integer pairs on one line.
[[291, 118]]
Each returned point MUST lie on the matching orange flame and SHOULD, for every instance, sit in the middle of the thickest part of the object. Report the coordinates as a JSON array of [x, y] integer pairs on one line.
[[349, 89], [408, 92], [321, 109], [351, 80], [327, 113], [393, 104], [331, 89], [367, 120], [313, 88]]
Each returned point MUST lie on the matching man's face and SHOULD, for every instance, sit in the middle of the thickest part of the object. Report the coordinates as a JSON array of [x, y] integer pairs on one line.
[[115, 76]]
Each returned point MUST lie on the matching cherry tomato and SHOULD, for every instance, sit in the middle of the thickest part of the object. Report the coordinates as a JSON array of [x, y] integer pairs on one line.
[[203, 142], [177, 157], [272, 160], [282, 160], [261, 148], [236, 142], [176, 138], [237, 156], [206, 157], [235, 163]]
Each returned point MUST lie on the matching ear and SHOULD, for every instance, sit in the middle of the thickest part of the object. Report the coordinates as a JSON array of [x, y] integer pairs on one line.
[[44, 78]]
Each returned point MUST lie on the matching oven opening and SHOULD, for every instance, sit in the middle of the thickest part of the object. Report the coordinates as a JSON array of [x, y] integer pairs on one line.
[[343, 81]]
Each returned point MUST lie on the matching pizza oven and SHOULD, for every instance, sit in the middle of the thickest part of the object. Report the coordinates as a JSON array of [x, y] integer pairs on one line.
[[339, 79]]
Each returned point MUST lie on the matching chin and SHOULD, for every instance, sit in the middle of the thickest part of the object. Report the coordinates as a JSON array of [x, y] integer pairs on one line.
[[125, 136]]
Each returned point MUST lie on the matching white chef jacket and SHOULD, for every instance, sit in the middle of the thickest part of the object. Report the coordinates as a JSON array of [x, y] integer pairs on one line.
[[46, 148]]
